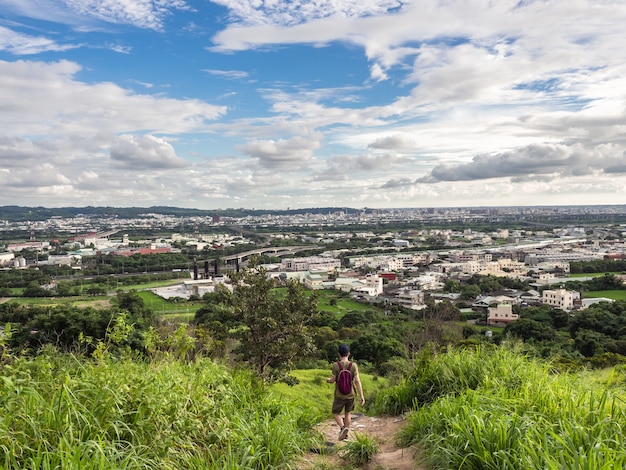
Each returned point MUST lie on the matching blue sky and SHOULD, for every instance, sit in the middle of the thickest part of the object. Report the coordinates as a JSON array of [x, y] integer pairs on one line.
[[295, 104]]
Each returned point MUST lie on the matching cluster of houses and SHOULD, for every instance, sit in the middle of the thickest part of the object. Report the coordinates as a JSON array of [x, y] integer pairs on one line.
[[384, 285]]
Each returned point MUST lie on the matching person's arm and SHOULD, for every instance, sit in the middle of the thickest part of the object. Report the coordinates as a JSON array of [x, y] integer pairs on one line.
[[359, 387], [333, 378]]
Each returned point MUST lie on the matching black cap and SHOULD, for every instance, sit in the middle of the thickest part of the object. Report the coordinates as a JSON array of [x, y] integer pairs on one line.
[[343, 349]]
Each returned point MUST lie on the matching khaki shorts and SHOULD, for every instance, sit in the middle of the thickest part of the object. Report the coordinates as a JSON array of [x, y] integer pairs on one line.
[[339, 404]]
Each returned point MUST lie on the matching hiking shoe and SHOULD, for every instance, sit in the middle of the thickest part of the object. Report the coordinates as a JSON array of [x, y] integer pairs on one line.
[[343, 433]]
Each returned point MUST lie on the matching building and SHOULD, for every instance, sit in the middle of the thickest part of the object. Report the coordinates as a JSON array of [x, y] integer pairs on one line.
[[560, 298], [313, 281], [501, 315], [409, 298], [6, 258], [373, 285], [311, 263]]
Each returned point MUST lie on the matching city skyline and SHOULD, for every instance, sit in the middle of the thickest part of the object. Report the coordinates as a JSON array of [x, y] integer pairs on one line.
[[275, 104]]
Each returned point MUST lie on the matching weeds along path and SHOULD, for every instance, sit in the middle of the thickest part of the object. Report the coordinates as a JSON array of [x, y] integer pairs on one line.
[[381, 428]]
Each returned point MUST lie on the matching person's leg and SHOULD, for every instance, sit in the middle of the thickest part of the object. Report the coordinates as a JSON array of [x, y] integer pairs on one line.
[[339, 420], [346, 425], [347, 420]]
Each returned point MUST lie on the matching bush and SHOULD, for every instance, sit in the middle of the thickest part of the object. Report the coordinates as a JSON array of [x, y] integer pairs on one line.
[[359, 450]]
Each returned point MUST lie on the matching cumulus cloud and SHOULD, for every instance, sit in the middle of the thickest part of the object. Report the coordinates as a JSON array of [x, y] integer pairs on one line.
[[398, 183], [145, 153], [536, 159], [341, 167], [40, 98], [286, 154], [393, 142]]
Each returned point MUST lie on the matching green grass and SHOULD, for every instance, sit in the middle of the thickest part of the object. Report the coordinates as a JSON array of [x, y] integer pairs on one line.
[[58, 411], [81, 300], [360, 450], [343, 304], [175, 311], [313, 391], [589, 274], [609, 294], [492, 408]]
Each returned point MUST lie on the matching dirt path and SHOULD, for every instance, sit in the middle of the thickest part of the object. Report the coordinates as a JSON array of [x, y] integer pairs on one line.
[[382, 429]]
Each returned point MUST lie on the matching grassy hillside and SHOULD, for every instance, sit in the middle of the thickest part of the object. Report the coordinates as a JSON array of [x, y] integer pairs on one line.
[[485, 408], [58, 411], [313, 392], [493, 408]]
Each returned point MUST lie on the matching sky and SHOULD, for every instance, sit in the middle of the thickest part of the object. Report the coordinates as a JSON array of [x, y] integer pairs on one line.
[[271, 104]]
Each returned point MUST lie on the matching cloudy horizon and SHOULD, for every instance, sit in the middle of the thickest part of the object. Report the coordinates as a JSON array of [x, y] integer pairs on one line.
[[274, 104]]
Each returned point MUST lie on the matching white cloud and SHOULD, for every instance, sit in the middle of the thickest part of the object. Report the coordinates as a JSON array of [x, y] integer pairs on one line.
[[275, 12], [285, 154], [149, 14], [145, 153], [393, 142], [23, 44], [229, 74], [548, 159], [45, 99]]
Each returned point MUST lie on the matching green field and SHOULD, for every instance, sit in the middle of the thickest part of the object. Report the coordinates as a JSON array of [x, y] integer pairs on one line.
[[609, 294], [181, 311], [337, 302]]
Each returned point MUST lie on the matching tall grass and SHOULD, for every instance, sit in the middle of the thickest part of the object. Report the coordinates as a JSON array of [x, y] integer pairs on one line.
[[314, 393], [60, 412], [496, 409]]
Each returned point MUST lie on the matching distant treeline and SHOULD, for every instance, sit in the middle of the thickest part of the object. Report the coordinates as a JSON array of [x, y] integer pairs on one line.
[[23, 214], [598, 266]]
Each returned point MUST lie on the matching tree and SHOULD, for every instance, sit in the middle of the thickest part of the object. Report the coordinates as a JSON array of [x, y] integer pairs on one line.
[[274, 329], [527, 328]]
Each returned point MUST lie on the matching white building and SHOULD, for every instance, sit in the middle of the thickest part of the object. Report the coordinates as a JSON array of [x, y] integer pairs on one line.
[[373, 285], [6, 258], [560, 298], [311, 263]]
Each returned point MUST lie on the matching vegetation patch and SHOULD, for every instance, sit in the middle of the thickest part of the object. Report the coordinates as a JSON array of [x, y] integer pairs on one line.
[[609, 294], [312, 391], [495, 408], [58, 412]]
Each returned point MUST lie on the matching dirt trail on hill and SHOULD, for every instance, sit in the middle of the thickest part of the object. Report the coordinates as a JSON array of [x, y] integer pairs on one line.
[[382, 429]]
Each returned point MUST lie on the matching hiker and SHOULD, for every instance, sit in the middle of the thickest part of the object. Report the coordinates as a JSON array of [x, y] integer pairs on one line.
[[345, 401]]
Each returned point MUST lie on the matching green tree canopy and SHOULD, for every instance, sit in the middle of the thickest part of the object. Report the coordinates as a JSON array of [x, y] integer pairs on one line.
[[273, 327]]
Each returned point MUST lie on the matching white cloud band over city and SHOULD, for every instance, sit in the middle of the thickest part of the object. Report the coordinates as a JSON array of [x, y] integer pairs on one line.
[[275, 104]]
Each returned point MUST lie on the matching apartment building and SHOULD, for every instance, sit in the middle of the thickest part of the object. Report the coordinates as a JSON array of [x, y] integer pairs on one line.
[[560, 298]]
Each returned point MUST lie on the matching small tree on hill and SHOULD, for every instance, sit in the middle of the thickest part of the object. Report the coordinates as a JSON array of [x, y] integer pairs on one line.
[[275, 329]]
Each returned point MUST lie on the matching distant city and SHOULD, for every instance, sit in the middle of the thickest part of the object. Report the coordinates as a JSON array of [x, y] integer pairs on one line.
[[14, 218], [401, 255]]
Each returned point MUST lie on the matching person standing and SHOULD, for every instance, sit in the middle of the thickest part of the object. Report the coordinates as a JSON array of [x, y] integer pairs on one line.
[[344, 402]]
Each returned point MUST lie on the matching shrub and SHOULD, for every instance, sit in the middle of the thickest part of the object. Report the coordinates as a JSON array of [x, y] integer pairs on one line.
[[359, 450]]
